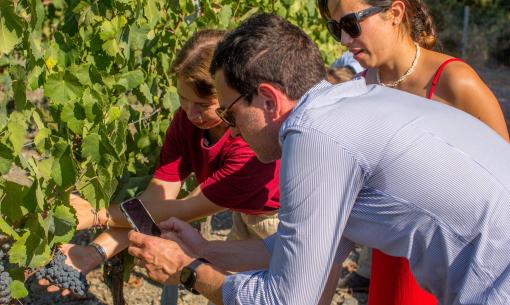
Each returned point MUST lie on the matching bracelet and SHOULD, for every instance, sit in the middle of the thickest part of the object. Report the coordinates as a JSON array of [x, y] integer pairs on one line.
[[96, 223], [99, 250]]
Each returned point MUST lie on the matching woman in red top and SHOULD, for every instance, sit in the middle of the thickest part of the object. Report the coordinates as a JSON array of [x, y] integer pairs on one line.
[[229, 174], [393, 39]]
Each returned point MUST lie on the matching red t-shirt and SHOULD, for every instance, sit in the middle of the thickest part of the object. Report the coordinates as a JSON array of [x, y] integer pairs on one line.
[[229, 173]]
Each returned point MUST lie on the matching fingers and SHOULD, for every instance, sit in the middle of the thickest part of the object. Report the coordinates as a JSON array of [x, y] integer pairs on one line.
[[173, 224], [53, 288], [136, 238]]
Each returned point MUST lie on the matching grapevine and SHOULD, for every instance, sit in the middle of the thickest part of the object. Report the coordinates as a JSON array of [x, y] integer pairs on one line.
[[85, 101]]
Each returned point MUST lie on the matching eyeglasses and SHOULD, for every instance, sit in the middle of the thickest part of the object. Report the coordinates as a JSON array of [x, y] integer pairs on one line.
[[350, 23], [226, 115]]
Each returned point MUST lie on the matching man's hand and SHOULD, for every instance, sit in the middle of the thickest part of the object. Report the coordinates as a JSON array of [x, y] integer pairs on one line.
[[163, 258], [189, 236]]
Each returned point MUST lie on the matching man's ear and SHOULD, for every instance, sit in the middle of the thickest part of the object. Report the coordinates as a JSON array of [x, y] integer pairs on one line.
[[272, 98]]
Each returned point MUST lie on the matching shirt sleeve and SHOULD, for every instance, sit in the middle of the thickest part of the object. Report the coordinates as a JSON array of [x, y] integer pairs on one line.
[[173, 165], [243, 182], [319, 184]]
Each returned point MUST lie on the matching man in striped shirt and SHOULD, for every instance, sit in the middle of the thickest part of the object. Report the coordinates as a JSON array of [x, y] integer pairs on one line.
[[359, 164]]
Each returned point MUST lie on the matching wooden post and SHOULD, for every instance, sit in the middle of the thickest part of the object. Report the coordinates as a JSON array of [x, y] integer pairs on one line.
[[465, 30]]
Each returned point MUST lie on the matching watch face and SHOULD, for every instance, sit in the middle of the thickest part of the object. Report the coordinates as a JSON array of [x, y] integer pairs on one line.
[[188, 277]]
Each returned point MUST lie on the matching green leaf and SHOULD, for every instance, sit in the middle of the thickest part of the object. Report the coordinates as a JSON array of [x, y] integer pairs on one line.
[[81, 72], [18, 289], [111, 47], [37, 14], [225, 15], [113, 114], [7, 229], [18, 76], [151, 12], [63, 170], [17, 127], [18, 251], [10, 27], [45, 167], [10, 206], [61, 224], [131, 79], [35, 44], [6, 159], [91, 103], [40, 139], [91, 147], [171, 100], [34, 198], [92, 190], [146, 92], [32, 248], [138, 36], [34, 77], [62, 87]]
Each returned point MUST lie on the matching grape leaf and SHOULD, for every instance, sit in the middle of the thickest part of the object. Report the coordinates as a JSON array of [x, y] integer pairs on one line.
[[7, 229], [113, 114], [6, 159], [40, 139], [63, 170], [91, 147], [61, 224], [62, 87], [10, 27], [131, 79], [225, 15], [10, 206], [18, 289], [17, 127], [151, 12]]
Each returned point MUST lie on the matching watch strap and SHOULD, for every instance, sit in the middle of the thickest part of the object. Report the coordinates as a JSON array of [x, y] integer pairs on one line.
[[99, 250], [193, 267]]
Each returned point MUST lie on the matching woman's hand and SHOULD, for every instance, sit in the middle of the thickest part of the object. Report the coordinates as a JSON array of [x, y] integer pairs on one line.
[[86, 215], [82, 258]]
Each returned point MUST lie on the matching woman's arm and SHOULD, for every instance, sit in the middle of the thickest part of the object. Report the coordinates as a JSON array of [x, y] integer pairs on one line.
[[461, 86]]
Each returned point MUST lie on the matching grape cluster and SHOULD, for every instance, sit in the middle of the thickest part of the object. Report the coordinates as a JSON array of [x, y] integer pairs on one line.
[[5, 278], [64, 276]]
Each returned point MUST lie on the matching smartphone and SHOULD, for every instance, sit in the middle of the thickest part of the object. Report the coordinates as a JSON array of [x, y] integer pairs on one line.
[[139, 218]]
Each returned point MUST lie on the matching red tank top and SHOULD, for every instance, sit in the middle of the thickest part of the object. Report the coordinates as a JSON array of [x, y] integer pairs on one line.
[[435, 80], [438, 75]]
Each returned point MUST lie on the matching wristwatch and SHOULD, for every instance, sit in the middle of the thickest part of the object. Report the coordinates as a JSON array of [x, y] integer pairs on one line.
[[189, 274]]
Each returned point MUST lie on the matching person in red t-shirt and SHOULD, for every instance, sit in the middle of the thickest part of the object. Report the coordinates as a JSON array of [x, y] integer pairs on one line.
[[197, 141]]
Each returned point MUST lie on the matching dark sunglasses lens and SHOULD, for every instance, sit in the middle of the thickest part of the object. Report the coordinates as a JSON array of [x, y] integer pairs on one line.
[[228, 117], [350, 25], [335, 30]]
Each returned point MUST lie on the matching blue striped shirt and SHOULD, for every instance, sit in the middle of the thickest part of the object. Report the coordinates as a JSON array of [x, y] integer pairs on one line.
[[393, 171]]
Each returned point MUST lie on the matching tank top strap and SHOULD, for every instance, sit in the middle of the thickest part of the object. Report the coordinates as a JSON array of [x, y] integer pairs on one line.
[[438, 75]]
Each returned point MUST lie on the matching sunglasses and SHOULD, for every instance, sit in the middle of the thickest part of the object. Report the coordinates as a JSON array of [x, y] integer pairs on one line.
[[226, 115], [350, 23]]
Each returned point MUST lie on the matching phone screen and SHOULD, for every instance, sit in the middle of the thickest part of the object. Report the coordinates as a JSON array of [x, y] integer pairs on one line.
[[140, 217]]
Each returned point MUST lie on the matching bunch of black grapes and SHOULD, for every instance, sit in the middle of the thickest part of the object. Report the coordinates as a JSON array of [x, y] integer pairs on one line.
[[5, 277], [62, 275]]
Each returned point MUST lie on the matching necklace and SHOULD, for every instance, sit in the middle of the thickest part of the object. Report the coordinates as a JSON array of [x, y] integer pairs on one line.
[[408, 72]]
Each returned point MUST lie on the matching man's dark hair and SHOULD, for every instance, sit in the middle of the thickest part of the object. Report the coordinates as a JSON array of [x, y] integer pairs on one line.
[[267, 48]]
